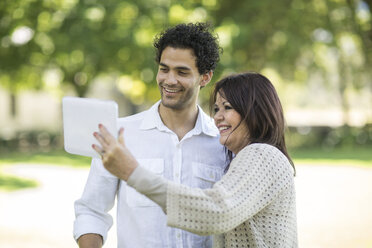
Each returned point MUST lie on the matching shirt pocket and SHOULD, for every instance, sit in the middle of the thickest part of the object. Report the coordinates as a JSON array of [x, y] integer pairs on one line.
[[135, 199], [204, 176]]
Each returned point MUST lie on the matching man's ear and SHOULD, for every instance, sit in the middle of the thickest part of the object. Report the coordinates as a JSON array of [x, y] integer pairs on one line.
[[206, 78]]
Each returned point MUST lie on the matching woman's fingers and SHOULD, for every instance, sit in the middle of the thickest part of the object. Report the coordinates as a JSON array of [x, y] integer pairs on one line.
[[98, 149], [106, 140], [106, 134], [99, 137]]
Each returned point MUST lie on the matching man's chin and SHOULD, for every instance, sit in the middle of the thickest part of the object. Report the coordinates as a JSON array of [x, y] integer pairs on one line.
[[172, 104]]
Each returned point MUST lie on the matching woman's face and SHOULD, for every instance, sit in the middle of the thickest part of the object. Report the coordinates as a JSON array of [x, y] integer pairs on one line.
[[233, 134]]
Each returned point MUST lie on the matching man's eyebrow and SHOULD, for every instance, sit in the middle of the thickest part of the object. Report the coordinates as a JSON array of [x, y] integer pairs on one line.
[[162, 64], [184, 68]]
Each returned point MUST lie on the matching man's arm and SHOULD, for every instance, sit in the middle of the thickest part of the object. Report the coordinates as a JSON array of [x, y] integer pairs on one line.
[[98, 198], [90, 240]]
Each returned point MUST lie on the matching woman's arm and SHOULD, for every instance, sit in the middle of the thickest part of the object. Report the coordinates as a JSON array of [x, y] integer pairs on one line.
[[256, 177], [151, 185]]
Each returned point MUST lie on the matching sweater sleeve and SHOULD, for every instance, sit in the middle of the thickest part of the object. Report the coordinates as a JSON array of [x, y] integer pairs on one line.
[[256, 177], [151, 185]]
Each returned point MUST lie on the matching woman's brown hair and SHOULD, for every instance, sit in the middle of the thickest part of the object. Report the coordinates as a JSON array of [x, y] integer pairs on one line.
[[254, 97]]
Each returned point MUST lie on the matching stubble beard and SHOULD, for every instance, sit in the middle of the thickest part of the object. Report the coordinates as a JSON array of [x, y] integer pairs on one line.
[[178, 102]]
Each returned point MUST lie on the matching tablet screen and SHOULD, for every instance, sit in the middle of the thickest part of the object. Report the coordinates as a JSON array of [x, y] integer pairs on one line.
[[81, 117]]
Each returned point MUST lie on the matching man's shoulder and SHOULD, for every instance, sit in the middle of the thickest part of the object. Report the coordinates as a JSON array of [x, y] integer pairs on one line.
[[138, 117], [208, 123], [133, 118]]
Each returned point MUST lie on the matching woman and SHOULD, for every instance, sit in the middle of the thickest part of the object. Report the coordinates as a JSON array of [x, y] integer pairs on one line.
[[253, 205]]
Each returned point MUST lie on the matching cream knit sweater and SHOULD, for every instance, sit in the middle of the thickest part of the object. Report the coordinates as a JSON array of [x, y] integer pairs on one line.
[[253, 205]]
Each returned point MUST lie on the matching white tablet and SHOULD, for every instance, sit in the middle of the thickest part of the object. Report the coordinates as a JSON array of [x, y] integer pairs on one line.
[[81, 117]]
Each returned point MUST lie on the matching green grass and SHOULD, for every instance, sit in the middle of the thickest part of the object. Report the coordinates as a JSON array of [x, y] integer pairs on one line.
[[11, 183], [349, 157], [59, 157], [361, 156], [356, 156], [55, 158]]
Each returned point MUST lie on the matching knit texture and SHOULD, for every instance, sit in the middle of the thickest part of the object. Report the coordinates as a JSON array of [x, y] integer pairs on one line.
[[252, 206]]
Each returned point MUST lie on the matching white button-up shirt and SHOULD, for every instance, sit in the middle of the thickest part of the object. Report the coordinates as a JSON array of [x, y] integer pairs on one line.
[[198, 160]]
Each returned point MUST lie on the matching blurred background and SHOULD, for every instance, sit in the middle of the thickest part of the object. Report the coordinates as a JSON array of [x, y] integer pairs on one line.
[[317, 53]]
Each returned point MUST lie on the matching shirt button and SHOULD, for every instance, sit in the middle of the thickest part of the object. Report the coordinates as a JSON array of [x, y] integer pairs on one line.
[[177, 175], [178, 235]]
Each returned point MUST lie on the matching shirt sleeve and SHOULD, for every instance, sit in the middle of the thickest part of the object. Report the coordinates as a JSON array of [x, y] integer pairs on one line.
[[256, 177], [98, 198]]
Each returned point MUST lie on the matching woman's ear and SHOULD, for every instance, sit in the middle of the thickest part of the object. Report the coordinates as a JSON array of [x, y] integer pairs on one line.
[[206, 78]]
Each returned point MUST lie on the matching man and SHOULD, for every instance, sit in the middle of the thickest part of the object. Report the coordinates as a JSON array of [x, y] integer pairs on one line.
[[174, 138]]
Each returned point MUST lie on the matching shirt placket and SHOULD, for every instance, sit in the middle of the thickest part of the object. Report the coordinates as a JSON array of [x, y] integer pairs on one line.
[[177, 166]]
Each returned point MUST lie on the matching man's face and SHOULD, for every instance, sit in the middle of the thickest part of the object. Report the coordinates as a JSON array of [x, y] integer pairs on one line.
[[178, 78]]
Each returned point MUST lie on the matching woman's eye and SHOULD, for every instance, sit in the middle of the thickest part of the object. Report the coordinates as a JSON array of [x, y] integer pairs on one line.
[[215, 110], [228, 107]]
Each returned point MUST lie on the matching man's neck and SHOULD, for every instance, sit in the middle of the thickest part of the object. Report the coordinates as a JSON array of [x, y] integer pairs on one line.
[[180, 121]]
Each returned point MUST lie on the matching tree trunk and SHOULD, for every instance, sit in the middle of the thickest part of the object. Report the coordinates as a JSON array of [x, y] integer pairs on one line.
[[343, 81], [13, 104]]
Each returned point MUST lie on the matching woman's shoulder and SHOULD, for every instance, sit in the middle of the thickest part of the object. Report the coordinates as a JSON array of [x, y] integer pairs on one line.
[[261, 148], [263, 152]]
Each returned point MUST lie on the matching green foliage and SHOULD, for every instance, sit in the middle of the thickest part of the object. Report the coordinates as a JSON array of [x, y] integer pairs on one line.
[[11, 183], [67, 44], [29, 141], [328, 139]]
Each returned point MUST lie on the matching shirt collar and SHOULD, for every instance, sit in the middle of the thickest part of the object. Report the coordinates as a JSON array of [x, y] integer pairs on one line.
[[204, 123]]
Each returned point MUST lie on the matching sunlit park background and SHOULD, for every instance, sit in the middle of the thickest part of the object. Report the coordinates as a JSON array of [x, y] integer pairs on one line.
[[318, 54]]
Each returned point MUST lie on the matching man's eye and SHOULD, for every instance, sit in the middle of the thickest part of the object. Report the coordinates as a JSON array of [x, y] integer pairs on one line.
[[182, 73], [163, 69]]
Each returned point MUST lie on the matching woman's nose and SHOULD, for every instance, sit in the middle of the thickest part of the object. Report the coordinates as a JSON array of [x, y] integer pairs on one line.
[[218, 116]]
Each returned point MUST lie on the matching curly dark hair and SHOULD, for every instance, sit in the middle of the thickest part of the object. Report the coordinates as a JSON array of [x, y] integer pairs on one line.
[[196, 36]]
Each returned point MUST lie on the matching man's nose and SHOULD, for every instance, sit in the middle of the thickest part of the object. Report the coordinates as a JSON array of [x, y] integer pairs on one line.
[[170, 78]]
